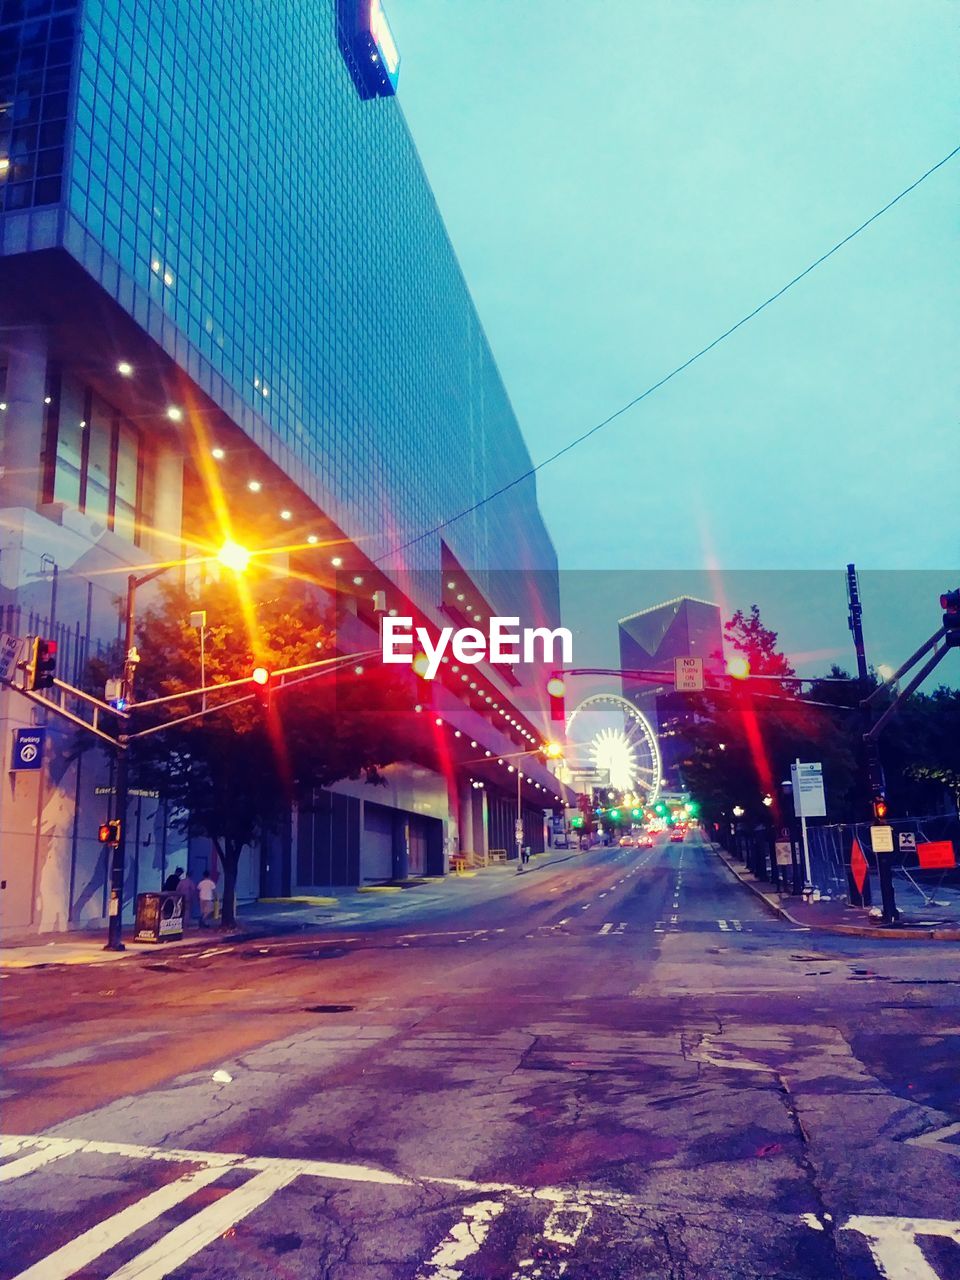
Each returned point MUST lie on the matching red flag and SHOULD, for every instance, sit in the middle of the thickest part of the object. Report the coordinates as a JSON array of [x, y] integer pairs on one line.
[[858, 866]]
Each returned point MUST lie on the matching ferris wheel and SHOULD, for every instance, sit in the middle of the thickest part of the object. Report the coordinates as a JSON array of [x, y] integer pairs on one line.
[[606, 732]]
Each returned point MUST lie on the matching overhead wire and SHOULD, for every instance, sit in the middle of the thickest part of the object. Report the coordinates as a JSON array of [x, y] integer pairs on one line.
[[661, 382]]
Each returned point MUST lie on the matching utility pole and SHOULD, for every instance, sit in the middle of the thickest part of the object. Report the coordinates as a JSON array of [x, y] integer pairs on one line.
[[118, 859], [855, 620]]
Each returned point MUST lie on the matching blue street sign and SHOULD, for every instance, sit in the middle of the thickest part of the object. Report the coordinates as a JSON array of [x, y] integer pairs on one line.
[[28, 748]]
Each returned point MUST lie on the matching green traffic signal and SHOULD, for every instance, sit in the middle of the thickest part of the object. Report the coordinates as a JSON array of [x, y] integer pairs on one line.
[[635, 813], [614, 814]]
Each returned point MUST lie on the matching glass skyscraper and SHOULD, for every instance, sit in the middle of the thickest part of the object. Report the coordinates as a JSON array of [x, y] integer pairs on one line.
[[213, 243]]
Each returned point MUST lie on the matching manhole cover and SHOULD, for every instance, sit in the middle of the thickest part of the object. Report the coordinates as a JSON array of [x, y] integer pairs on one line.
[[329, 1008]]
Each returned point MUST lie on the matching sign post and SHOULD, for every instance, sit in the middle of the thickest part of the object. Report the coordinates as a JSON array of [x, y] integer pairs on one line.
[[809, 801]]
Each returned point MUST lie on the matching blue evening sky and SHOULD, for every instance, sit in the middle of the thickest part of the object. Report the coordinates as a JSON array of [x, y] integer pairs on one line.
[[623, 179]]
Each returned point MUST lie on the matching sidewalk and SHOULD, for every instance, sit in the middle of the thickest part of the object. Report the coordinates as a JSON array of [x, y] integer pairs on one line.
[[348, 906], [836, 916]]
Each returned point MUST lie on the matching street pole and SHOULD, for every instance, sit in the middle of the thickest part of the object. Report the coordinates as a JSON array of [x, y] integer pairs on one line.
[[118, 860], [798, 804], [519, 828]]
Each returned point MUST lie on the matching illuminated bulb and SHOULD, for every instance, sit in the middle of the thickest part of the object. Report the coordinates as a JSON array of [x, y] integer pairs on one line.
[[336, 561], [125, 369], [218, 453], [312, 539], [358, 582], [174, 414], [254, 486], [286, 515]]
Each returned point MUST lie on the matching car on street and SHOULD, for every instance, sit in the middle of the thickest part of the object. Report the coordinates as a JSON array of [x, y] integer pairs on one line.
[[676, 837], [646, 841], [627, 842]]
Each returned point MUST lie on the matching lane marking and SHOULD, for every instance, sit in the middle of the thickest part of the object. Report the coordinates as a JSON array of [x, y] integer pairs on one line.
[[462, 1241], [92, 1244], [605, 929], [724, 926], [50, 1149], [172, 1250], [893, 1243]]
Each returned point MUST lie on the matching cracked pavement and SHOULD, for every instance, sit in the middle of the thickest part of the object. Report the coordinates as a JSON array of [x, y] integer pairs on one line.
[[508, 1091]]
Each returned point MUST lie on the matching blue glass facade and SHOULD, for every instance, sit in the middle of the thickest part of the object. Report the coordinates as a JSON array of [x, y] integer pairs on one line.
[[277, 235]]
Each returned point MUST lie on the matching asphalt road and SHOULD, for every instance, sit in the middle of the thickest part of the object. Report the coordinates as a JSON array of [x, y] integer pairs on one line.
[[615, 1065]]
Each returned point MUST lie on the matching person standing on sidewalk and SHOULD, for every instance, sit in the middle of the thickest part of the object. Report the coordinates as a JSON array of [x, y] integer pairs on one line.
[[187, 891], [207, 891], [172, 880]]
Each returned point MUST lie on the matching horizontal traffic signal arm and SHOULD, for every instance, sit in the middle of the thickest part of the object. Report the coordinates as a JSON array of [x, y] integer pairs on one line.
[[314, 670]]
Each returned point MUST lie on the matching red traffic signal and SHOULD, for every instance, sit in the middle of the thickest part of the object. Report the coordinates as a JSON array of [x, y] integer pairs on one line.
[[109, 832], [555, 691], [880, 808], [42, 665], [950, 604]]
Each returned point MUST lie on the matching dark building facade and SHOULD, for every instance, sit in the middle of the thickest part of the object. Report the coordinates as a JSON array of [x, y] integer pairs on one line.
[[651, 640], [222, 269]]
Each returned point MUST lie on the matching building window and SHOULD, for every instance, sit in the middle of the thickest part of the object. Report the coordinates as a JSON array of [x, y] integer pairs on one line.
[[101, 465]]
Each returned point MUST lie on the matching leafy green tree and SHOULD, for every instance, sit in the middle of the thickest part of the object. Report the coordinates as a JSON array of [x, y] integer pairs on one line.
[[233, 773]]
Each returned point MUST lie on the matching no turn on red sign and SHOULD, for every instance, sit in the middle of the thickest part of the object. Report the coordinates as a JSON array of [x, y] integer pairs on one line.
[[688, 675]]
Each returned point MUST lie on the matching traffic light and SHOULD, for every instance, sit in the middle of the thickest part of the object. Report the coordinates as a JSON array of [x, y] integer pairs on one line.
[[262, 687], [109, 832], [42, 664], [555, 690], [880, 808], [635, 813], [950, 604]]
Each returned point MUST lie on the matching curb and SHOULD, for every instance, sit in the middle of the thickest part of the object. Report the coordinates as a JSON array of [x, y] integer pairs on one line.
[[843, 930]]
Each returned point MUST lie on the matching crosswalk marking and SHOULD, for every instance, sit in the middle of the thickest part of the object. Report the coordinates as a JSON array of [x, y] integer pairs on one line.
[[462, 1241], [605, 929], [723, 925], [173, 1249], [98, 1240], [52, 1149]]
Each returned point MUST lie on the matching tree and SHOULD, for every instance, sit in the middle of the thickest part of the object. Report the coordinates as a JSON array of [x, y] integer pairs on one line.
[[233, 774], [757, 643]]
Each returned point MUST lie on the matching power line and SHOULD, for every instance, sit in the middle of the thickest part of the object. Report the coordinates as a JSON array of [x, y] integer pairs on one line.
[[578, 440]]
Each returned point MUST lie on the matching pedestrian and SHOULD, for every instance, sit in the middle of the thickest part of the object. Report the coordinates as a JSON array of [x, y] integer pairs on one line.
[[187, 892], [207, 892], [172, 880]]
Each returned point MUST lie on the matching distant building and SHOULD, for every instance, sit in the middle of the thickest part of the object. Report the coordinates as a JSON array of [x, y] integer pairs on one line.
[[650, 640]]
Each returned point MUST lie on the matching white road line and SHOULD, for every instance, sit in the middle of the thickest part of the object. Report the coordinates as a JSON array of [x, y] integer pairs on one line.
[[94, 1243], [461, 1242], [724, 926], [567, 921], [52, 1149], [737, 925], [173, 1249], [893, 1243], [621, 926], [674, 919], [605, 929], [566, 1223]]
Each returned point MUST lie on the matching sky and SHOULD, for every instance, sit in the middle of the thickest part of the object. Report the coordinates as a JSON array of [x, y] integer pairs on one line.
[[622, 180]]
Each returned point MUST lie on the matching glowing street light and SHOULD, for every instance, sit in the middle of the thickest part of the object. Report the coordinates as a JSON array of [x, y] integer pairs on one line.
[[232, 556], [738, 811], [553, 750], [738, 667]]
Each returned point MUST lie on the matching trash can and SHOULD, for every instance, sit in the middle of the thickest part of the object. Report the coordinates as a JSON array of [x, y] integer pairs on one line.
[[159, 917]]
